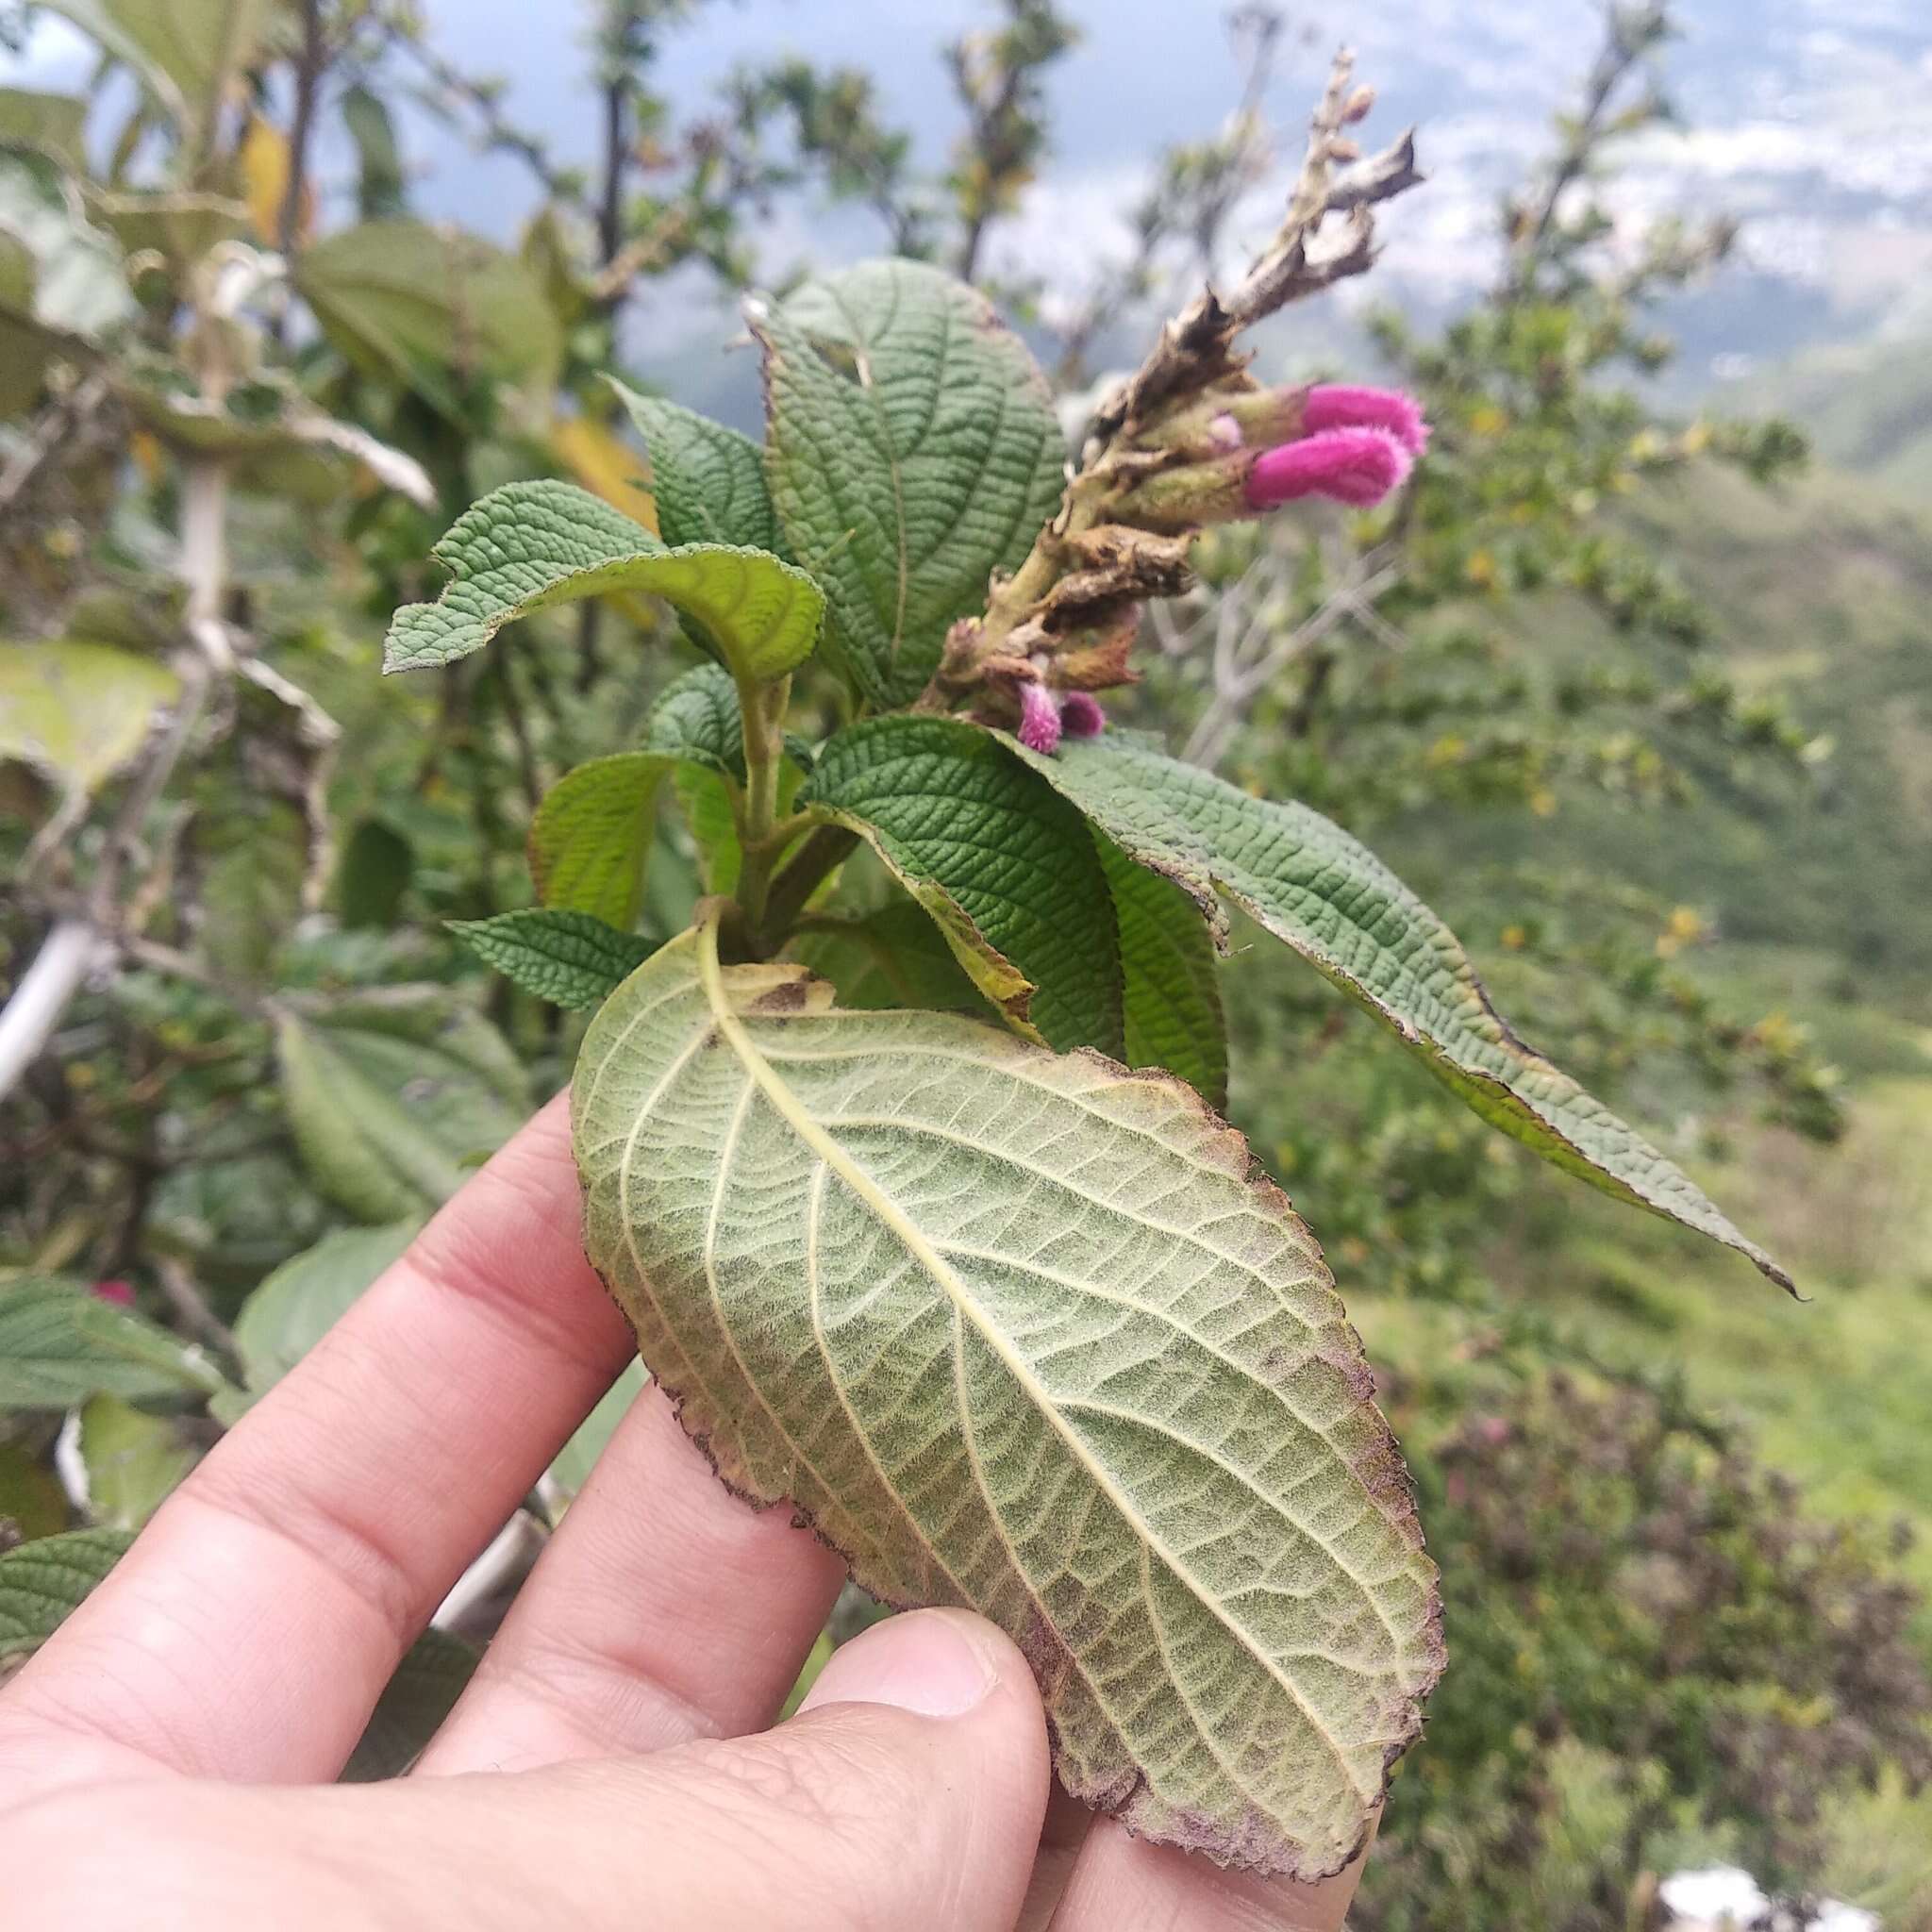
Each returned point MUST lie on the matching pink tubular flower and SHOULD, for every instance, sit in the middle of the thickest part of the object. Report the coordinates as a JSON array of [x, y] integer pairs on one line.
[[1081, 715], [1040, 719], [1357, 466], [120, 1292], [1352, 406]]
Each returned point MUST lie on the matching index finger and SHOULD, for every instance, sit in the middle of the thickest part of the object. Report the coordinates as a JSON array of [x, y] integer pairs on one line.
[[250, 1630]]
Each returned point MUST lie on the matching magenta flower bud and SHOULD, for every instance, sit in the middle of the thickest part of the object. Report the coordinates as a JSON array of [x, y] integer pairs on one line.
[[1081, 715], [1359, 466], [120, 1292], [1040, 719], [1349, 406]]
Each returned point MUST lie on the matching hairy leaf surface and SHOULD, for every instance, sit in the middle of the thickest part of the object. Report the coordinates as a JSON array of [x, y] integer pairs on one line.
[[43, 1583], [530, 545], [1004, 866], [1028, 1333], [1171, 986], [904, 476], [1336, 903], [708, 481], [572, 959]]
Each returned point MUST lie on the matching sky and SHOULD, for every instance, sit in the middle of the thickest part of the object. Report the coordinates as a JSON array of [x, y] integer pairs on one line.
[[1809, 119]]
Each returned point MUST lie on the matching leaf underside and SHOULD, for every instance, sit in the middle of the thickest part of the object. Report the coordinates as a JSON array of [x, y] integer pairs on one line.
[[592, 836], [1312, 885], [1027, 1332]]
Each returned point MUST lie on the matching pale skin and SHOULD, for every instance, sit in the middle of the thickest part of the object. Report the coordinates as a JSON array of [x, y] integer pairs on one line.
[[166, 1760]]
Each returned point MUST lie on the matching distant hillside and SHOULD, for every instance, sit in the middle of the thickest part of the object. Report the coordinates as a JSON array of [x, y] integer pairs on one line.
[[1823, 593], [1866, 409]]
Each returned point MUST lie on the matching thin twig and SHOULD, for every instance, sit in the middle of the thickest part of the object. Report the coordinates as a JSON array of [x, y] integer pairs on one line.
[[308, 69], [190, 1306]]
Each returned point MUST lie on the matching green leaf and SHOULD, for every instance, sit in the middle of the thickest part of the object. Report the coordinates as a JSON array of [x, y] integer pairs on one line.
[[78, 711], [390, 1098], [708, 481], [894, 956], [1005, 867], [62, 289], [1028, 1333], [577, 1459], [704, 799], [1336, 903], [1170, 979], [59, 1344], [43, 1583], [705, 803], [592, 836], [431, 305], [255, 862], [179, 225], [530, 545], [54, 124], [422, 1694], [133, 1461], [904, 476], [184, 51], [698, 720], [32, 1503], [294, 1307], [377, 863], [381, 184], [572, 960]]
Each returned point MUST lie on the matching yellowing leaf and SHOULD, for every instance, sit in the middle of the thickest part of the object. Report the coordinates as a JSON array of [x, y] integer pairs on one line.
[[1024, 1331], [78, 710], [604, 466], [265, 176]]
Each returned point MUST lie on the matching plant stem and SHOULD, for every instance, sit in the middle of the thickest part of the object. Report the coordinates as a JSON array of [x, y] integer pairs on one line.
[[70, 952], [308, 84], [762, 708], [826, 848]]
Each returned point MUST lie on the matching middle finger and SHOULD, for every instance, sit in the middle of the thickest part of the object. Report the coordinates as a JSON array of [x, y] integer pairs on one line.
[[663, 1609]]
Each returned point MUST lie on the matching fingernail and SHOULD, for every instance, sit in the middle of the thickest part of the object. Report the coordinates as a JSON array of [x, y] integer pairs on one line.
[[935, 1664]]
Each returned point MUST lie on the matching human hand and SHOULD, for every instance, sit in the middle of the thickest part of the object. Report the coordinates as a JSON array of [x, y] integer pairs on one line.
[[164, 1758]]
